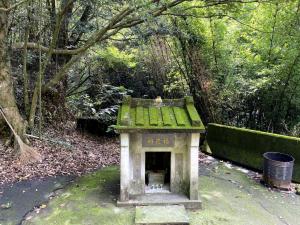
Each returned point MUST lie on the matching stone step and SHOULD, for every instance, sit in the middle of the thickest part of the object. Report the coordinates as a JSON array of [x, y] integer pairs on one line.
[[161, 199], [161, 215]]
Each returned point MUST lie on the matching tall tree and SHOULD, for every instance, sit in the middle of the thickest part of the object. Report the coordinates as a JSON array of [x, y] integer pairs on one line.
[[7, 98], [120, 19]]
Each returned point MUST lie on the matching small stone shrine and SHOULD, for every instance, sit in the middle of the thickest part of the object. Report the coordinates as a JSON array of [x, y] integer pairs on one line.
[[159, 151]]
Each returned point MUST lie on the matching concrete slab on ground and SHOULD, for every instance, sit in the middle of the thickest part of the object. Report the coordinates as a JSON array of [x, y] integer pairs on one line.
[[161, 215]]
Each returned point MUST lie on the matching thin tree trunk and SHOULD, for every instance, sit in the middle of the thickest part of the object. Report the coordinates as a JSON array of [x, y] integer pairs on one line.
[[277, 108], [273, 33], [214, 48], [25, 74], [35, 95]]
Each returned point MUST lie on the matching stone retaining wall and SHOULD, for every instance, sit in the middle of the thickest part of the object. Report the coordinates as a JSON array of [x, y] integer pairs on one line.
[[246, 146]]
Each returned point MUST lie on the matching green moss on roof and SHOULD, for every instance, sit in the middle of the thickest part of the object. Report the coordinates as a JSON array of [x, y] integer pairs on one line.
[[195, 118], [125, 115], [179, 115], [152, 114], [166, 111], [139, 121]]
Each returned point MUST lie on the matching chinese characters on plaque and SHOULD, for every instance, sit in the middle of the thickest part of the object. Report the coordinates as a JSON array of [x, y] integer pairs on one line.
[[158, 140]]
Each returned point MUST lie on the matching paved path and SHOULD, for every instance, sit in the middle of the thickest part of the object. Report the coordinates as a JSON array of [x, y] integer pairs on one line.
[[231, 196], [22, 197]]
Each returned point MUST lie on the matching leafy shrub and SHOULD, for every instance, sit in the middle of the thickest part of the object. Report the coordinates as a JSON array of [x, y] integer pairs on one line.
[[100, 103]]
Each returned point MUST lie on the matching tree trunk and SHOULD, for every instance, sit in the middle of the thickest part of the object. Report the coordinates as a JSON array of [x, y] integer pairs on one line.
[[7, 98], [54, 99]]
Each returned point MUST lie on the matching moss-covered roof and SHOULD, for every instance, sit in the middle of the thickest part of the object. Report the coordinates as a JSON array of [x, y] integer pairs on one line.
[[158, 114]]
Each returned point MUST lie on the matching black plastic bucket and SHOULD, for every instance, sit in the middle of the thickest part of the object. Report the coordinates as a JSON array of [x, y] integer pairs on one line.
[[278, 169]]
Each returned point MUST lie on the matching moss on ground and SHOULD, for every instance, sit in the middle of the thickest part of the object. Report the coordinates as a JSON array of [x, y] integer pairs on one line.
[[228, 195], [90, 200]]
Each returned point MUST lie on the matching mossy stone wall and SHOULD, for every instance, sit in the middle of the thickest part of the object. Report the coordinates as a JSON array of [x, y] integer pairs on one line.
[[246, 147]]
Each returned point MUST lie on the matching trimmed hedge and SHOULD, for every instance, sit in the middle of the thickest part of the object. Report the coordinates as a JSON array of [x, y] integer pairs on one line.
[[246, 147]]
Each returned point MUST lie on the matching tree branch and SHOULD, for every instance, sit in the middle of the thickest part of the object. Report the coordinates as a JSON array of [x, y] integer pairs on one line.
[[13, 6], [92, 40], [99, 36], [135, 21], [75, 88], [219, 3], [35, 46], [113, 25]]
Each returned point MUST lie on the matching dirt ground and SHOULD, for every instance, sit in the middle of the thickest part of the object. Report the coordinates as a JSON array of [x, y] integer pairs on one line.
[[64, 153]]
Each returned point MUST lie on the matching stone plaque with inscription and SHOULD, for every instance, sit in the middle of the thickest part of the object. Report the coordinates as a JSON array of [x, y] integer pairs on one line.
[[158, 140]]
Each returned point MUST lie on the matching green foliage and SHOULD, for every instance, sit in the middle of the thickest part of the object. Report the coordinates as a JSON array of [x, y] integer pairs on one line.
[[239, 59], [252, 53], [102, 105], [113, 55]]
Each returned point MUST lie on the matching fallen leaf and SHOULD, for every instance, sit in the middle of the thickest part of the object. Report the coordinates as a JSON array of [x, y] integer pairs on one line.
[[43, 206], [7, 205], [28, 218]]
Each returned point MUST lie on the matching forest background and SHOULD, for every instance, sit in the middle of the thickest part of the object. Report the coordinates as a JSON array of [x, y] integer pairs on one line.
[[61, 60]]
